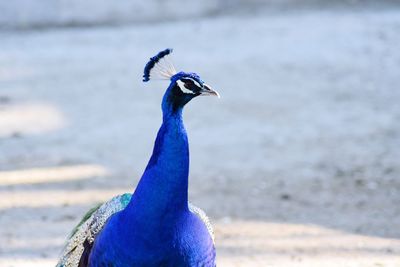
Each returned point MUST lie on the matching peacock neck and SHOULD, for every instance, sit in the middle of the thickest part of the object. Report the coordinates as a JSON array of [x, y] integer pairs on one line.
[[163, 188]]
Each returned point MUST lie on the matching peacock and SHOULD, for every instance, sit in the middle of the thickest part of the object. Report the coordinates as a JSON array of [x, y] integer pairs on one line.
[[156, 225]]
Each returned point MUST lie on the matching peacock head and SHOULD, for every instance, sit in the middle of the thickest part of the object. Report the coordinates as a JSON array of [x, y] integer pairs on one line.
[[184, 86]]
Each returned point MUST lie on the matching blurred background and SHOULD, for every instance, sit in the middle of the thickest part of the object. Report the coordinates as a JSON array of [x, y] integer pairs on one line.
[[297, 164]]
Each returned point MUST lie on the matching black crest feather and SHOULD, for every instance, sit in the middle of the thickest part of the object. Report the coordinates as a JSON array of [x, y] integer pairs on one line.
[[153, 61]]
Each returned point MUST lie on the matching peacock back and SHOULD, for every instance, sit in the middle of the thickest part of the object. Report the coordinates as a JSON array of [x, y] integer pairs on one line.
[[77, 249]]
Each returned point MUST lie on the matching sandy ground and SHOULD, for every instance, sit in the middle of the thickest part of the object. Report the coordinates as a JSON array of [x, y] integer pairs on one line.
[[297, 164]]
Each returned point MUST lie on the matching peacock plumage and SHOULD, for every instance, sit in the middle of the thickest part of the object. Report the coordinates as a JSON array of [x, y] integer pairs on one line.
[[156, 225]]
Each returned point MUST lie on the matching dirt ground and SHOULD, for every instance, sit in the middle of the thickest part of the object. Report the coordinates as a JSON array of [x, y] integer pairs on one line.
[[297, 164]]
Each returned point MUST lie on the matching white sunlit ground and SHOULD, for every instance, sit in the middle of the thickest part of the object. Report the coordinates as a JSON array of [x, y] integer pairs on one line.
[[297, 164]]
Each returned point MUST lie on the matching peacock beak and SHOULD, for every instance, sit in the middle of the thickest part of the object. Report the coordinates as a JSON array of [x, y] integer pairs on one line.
[[207, 90]]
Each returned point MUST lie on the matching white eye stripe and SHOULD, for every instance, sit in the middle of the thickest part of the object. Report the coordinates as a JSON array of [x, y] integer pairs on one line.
[[181, 86]]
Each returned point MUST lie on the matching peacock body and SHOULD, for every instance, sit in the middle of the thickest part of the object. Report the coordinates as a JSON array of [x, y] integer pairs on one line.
[[156, 225]]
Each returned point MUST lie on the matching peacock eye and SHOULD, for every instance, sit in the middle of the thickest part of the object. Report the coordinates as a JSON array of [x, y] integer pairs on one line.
[[188, 84]]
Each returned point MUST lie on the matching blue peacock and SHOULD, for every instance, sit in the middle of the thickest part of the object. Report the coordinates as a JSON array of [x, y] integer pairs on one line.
[[156, 225]]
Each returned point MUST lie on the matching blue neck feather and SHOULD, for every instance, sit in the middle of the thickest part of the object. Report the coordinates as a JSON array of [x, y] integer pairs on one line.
[[163, 188]]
